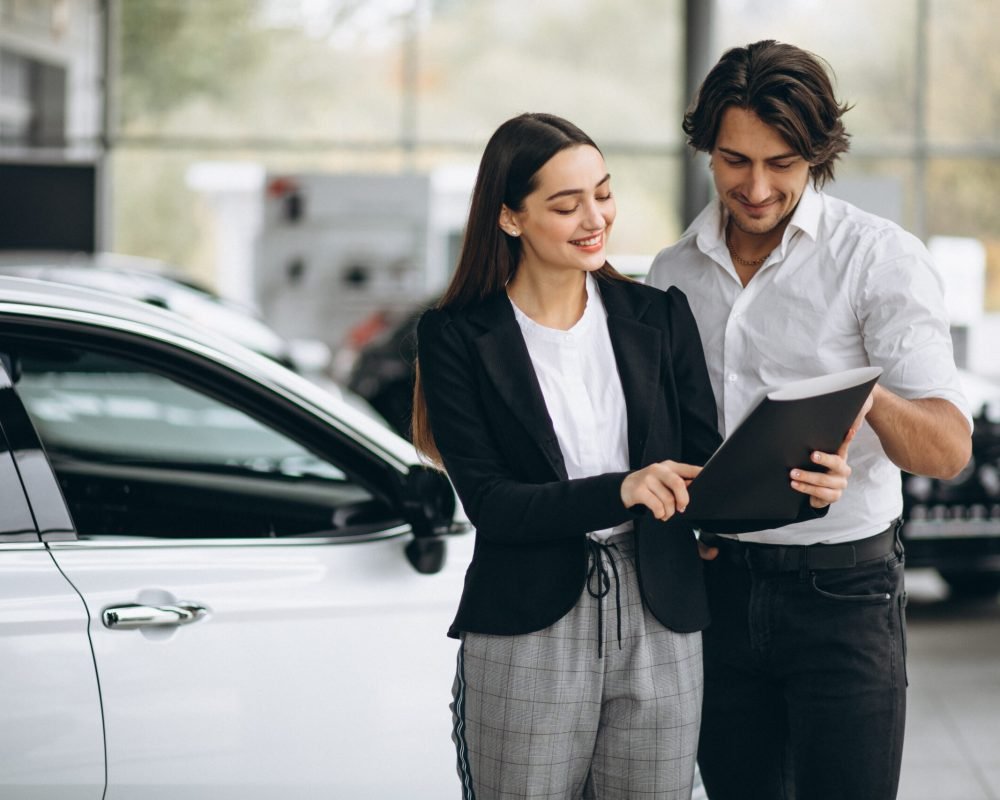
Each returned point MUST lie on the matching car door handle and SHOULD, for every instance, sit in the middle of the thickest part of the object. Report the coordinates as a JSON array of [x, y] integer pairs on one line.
[[133, 615]]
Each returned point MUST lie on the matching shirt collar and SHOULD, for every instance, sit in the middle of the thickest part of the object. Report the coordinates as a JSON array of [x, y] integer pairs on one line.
[[807, 213], [709, 227]]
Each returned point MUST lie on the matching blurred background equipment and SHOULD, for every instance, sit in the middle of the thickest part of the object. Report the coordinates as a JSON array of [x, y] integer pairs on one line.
[[333, 250]]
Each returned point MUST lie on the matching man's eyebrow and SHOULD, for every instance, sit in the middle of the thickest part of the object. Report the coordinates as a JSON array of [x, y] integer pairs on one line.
[[780, 157], [565, 192]]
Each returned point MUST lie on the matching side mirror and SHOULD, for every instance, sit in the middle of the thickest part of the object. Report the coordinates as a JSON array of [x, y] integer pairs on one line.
[[429, 504]]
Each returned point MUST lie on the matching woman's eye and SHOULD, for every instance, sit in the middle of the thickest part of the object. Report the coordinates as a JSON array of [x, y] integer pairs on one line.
[[603, 197], [565, 210]]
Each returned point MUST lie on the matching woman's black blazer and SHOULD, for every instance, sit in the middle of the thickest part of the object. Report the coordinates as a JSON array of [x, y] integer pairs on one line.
[[495, 436]]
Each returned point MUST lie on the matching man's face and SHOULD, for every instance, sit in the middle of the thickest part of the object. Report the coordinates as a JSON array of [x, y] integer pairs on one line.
[[758, 176]]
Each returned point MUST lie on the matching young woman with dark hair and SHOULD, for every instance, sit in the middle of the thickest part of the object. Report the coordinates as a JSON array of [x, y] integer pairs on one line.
[[570, 407]]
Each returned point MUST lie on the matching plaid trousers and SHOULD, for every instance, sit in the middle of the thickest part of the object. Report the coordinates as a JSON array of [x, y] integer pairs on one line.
[[545, 716]]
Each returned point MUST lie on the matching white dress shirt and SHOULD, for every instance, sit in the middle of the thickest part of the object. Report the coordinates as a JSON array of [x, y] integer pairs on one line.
[[843, 289], [579, 378]]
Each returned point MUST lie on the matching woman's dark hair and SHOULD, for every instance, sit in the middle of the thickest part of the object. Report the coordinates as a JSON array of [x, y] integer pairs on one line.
[[508, 173], [787, 88]]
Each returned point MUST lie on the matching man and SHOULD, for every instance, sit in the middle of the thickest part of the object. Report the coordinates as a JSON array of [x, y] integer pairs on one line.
[[805, 678]]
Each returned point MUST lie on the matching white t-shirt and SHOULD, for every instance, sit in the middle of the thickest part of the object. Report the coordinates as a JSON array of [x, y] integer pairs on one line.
[[578, 375], [843, 289]]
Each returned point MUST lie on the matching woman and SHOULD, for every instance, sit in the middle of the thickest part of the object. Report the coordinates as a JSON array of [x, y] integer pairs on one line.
[[564, 401]]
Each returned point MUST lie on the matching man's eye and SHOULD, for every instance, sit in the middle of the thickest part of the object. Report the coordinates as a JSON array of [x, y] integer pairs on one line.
[[782, 165]]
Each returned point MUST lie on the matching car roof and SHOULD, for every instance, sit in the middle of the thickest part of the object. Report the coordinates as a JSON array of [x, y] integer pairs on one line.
[[39, 299], [153, 282]]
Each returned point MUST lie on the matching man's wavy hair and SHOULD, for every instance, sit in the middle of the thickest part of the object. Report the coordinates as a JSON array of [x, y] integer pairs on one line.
[[787, 88]]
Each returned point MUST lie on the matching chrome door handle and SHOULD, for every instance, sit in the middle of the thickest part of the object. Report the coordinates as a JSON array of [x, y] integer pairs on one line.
[[132, 615]]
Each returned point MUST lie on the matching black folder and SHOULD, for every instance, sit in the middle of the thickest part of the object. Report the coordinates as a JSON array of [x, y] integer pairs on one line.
[[747, 477]]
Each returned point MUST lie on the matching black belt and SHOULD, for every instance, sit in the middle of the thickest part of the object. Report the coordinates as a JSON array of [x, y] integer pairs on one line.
[[787, 558]]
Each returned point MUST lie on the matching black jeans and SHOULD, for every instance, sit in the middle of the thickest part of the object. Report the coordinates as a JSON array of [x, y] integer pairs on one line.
[[805, 682]]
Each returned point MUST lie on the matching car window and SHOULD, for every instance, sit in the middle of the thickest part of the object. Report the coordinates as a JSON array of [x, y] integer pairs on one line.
[[138, 453]]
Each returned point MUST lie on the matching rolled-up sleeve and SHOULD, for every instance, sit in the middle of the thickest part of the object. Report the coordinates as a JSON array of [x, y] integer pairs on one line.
[[900, 303]]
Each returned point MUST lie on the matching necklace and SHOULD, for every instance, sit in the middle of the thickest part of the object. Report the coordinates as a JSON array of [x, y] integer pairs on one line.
[[743, 261]]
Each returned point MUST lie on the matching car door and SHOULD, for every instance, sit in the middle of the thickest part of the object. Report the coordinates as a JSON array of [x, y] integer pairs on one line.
[[257, 627], [51, 736]]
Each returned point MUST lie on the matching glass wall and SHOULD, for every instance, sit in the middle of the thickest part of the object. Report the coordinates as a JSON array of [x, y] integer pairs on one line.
[[384, 87], [396, 85]]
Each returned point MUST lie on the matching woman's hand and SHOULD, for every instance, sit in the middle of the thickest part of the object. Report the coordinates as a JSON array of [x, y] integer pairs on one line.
[[661, 487]]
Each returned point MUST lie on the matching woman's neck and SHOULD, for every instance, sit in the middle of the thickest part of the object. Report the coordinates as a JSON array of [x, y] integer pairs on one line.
[[552, 300]]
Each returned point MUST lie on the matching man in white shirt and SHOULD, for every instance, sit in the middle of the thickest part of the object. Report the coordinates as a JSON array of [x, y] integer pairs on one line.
[[805, 658]]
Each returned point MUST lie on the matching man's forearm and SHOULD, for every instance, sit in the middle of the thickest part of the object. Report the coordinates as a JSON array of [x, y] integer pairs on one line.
[[926, 437]]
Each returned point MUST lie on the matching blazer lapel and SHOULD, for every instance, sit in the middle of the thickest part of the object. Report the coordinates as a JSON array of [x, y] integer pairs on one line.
[[506, 361], [637, 351]]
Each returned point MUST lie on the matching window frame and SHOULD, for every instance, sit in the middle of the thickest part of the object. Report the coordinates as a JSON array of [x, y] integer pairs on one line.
[[200, 373]]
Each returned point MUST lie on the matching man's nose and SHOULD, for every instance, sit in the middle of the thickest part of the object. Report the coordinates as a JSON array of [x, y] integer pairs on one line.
[[758, 189]]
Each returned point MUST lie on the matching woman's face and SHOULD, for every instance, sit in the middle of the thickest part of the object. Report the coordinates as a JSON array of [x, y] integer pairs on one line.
[[565, 222]]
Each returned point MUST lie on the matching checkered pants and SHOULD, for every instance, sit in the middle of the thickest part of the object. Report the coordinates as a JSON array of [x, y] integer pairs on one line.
[[543, 715]]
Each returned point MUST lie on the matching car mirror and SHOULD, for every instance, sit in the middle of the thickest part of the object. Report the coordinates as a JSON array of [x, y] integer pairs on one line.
[[429, 503]]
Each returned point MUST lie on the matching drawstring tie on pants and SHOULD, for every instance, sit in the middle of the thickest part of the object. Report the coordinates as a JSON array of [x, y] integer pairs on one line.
[[599, 570]]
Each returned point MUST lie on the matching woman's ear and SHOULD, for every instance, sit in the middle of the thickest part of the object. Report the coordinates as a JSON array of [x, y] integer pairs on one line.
[[507, 222]]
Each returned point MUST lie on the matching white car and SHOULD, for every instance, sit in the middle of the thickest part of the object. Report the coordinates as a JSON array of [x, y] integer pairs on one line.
[[216, 580]]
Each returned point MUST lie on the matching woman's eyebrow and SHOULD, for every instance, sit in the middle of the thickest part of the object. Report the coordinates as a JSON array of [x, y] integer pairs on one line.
[[565, 192]]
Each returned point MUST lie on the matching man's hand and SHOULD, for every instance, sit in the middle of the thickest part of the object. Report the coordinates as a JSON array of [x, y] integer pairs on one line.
[[823, 488]]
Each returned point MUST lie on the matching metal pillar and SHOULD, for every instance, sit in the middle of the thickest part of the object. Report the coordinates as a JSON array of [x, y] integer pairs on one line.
[[700, 56], [922, 71], [110, 29]]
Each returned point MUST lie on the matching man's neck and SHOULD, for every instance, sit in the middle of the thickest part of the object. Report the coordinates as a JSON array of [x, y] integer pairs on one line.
[[749, 251]]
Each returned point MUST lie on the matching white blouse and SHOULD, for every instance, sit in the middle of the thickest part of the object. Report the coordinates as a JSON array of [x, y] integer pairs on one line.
[[578, 374]]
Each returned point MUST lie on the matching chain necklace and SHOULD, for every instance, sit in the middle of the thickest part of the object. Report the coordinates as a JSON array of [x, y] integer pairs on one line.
[[743, 261]]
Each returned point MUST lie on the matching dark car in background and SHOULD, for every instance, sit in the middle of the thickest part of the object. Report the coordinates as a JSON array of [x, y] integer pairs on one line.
[[954, 525], [383, 351]]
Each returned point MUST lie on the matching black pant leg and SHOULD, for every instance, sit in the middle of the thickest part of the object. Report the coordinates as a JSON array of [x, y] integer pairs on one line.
[[741, 751]]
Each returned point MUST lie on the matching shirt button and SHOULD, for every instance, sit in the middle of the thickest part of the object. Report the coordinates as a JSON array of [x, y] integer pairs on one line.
[[731, 377]]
